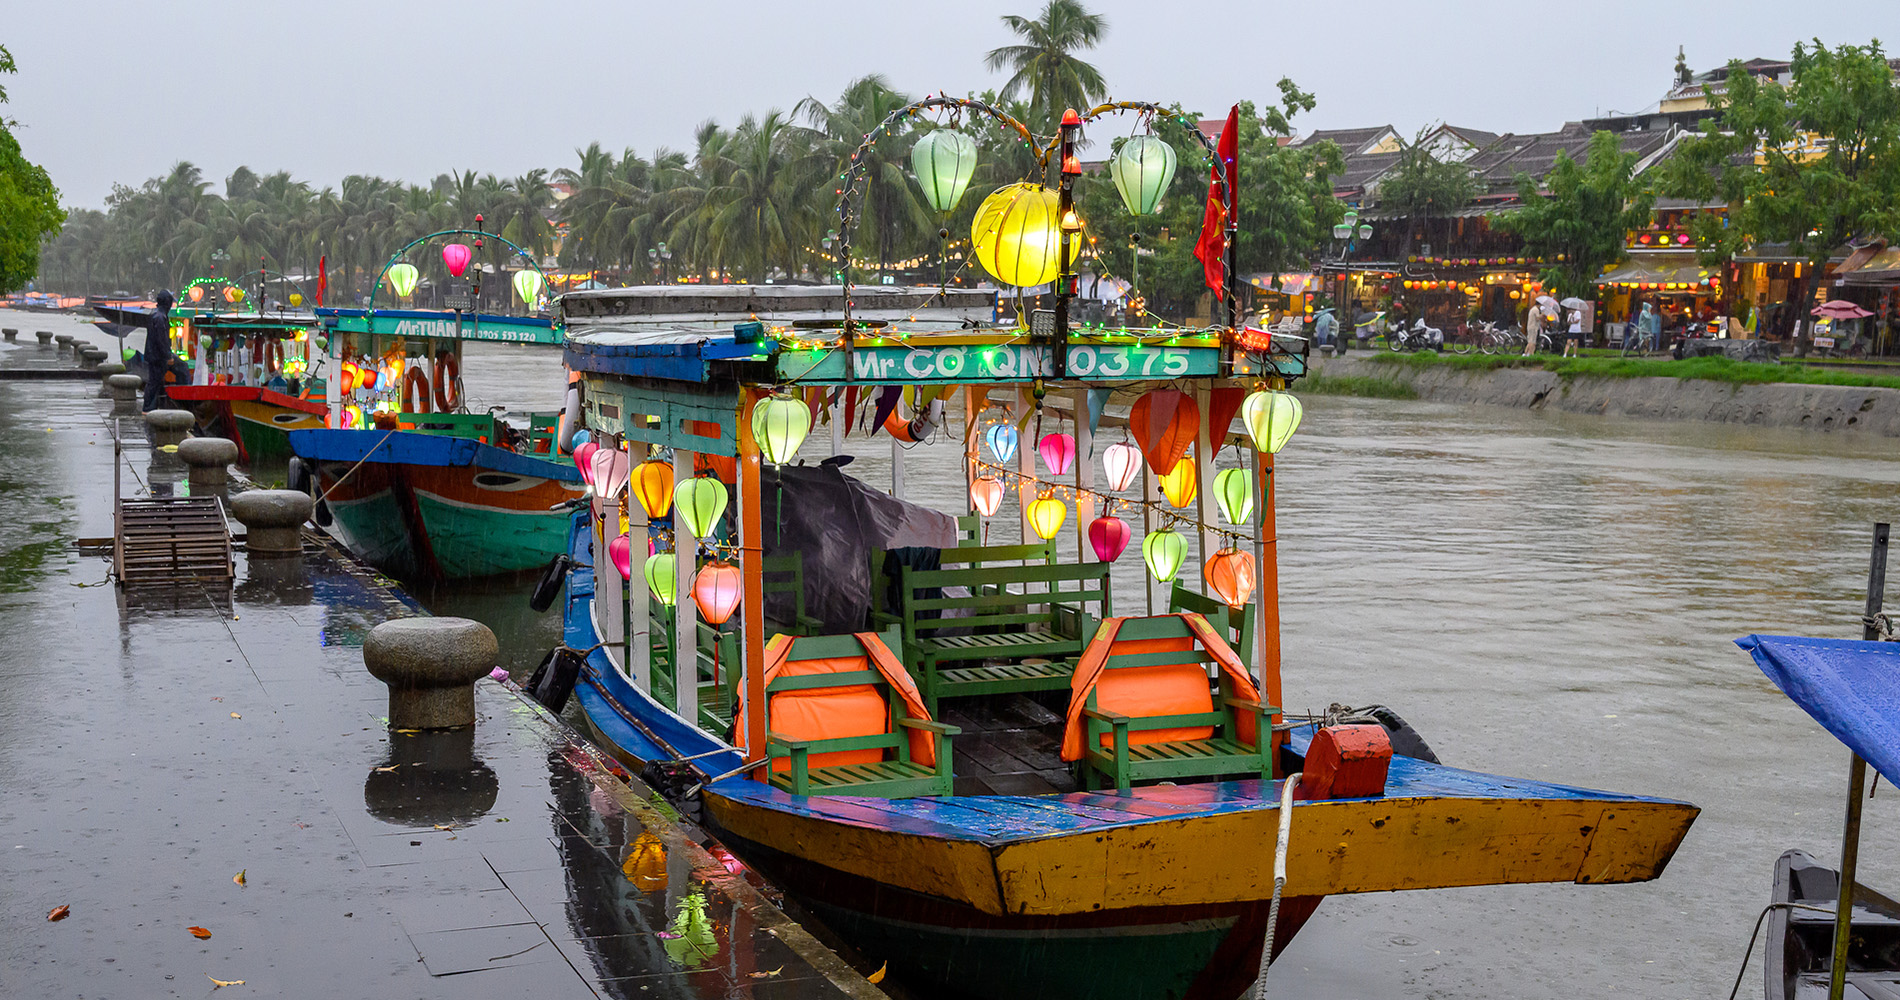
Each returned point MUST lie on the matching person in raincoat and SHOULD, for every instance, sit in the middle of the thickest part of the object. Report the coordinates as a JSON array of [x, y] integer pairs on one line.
[[158, 352], [1649, 324], [1326, 329]]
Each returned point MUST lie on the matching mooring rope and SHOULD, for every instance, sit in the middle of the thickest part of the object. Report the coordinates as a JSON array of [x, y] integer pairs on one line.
[[1279, 880], [1746, 955], [358, 465]]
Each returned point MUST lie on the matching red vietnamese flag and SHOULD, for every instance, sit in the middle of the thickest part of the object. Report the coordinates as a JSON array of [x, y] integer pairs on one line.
[[323, 276], [1222, 205]]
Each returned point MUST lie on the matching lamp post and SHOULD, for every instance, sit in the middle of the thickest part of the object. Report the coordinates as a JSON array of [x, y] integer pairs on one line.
[[1346, 235], [661, 257], [1071, 229]]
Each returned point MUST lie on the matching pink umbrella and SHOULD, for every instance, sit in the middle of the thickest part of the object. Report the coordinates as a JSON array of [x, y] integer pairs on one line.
[[1840, 309]]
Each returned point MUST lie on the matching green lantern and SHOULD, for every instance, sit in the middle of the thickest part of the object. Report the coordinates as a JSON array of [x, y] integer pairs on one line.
[[528, 285], [1164, 551], [1233, 489], [779, 425], [701, 502], [1143, 168], [403, 278], [662, 577], [944, 161], [1271, 418]]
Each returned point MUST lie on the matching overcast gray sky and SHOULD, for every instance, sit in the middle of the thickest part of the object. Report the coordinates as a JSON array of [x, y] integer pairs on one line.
[[118, 90]]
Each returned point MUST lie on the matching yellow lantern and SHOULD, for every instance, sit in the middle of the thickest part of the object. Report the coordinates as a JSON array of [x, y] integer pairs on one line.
[[1046, 515], [1163, 551], [1179, 485], [1271, 418], [645, 865], [1017, 235], [653, 484]]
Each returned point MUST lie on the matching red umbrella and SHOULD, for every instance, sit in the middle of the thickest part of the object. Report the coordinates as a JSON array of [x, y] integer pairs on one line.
[[1840, 309]]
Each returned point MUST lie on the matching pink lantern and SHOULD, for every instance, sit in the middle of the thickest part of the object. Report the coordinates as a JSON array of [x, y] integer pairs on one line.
[[1121, 462], [583, 460], [717, 589], [986, 494], [609, 478], [456, 256], [1058, 452], [620, 550], [1109, 536]]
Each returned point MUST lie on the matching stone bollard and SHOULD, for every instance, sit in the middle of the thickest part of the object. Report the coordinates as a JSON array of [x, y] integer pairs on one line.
[[168, 427], [208, 459], [273, 519], [10, 333], [62, 343], [91, 358], [431, 666], [46, 336], [106, 371], [125, 394]]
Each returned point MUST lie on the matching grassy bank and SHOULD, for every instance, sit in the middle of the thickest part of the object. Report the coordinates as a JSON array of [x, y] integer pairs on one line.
[[1707, 369], [1370, 386]]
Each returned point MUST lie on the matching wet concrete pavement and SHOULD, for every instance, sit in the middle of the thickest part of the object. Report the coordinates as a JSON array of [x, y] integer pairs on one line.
[[153, 746]]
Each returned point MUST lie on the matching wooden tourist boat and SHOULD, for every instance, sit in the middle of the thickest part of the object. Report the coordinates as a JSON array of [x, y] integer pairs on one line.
[[959, 749], [411, 482]]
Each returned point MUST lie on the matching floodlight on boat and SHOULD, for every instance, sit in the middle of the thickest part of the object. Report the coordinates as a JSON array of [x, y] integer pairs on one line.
[[403, 278], [1233, 490], [1109, 536], [986, 495], [944, 161], [1017, 235], [701, 502], [1121, 461], [1058, 452], [455, 257], [1164, 551], [779, 425], [1271, 417], [1046, 516], [1142, 170], [652, 483], [717, 589], [662, 573], [1002, 439], [1179, 484], [1230, 575]]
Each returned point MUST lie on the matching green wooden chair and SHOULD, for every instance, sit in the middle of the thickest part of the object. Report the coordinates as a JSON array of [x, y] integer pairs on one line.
[[896, 776], [1235, 625], [1129, 757], [785, 574]]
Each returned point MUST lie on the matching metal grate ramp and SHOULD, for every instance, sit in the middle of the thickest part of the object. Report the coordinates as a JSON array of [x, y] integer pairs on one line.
[[168, 540]]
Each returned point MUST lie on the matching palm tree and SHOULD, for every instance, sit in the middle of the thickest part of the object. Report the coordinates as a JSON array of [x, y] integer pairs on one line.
[[756, 210], [891, 208], [1045, 64]]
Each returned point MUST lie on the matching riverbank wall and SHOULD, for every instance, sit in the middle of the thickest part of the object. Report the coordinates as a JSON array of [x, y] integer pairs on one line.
[[1855, 410]]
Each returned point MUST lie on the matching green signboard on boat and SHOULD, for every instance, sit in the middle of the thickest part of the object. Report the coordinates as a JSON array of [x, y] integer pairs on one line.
[[413, 323], [1000, 362]]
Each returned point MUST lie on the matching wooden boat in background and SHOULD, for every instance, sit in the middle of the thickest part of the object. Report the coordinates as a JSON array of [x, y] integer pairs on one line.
[[1800, 944]]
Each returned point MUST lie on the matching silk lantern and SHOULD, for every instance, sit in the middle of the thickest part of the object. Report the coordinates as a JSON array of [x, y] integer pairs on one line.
[[1164, 423], [1142, 170], [1058, 452], [779, 426], [986, 495], [1179, 485], [584, 460], [1002, 439], [528, 283], [1121, 461], [1046, 515], [620, 550], [1271, 418], [196, 294], [1230, 575], [610, 471], [662, 572], [403, 278], [1233, 489], [944, 161], [296, 299], [717, 589], [234, 295], [701, 502], [1017, 236], [455, 257], [653, 485], [1109, 536], [1163, 551]]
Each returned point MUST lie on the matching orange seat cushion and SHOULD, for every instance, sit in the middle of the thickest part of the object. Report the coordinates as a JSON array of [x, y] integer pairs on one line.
[[1142, 692], [829, 713]]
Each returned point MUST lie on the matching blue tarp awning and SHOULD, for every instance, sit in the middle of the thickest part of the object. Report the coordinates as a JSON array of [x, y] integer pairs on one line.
[[1851, 687]]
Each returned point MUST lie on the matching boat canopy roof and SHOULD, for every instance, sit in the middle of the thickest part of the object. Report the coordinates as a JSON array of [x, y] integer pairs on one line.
[[1850, 686]]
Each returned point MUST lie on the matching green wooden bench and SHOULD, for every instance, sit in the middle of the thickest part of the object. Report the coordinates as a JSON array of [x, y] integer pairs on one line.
[[896, 777], [1124, 761], [1012, 613], [480, 426], [785, 574]]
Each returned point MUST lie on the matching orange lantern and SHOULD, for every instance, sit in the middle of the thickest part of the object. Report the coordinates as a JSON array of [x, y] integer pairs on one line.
[[716, 589], [1164, 422], [1230, 575], [1178, 483], [653, 484]]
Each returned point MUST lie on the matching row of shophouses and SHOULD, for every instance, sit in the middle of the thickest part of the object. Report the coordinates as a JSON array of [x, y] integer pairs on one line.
[[1459, 266]]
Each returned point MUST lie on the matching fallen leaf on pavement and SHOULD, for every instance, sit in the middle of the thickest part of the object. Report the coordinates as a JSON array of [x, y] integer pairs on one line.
[[239, 877], [445, 826], [59, 912], [222, 983], [386, 770], [199, 933], [767, 975], [234, 715], [878, 976]]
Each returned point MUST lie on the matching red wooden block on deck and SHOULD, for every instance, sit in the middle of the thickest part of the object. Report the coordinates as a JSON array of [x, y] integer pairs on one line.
[[1346, 762]]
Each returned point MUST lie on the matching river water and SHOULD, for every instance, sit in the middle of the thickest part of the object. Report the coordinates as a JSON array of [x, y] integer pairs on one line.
[[1542, 595]]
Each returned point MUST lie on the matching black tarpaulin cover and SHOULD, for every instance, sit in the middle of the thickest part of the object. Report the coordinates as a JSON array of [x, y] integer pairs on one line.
[[834, 521]]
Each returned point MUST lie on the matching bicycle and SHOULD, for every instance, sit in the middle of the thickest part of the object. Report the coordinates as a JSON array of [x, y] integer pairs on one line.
[[1493, 339], [1636, 344]]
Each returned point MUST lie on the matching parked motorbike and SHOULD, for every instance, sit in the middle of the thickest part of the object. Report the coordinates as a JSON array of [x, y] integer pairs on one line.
[[1419, 338]]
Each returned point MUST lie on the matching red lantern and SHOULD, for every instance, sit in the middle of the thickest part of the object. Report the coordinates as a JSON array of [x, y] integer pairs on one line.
[[620, 550], [1230, 575], [1109, 536], [1164, 422], [584, 460], [716, 589]]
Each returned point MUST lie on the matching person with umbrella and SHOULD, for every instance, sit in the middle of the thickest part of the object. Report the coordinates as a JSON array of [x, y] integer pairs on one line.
[[1543, 313], [1573, 336]]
